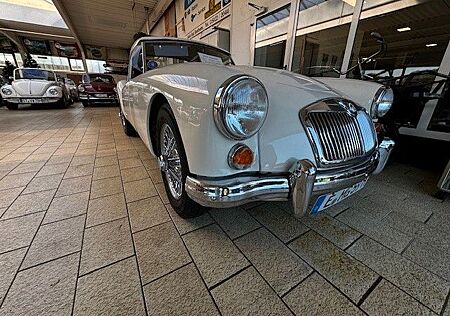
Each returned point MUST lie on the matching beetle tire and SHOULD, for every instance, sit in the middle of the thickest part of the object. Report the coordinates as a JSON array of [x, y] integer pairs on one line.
[[12, 107], [184, 206]]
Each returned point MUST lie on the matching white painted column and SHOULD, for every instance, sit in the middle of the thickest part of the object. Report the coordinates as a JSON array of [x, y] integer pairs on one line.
[[351, 35], [292, 29]]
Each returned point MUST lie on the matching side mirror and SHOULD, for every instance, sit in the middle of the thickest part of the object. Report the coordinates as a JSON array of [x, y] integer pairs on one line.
[[378, 37]]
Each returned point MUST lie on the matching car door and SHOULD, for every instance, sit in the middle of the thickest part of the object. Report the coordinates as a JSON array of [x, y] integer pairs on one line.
[[130, 91]]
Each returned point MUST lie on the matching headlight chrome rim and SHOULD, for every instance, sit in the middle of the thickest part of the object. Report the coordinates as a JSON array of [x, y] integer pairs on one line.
[[220, 108], [7, 91], [380, 99], [53, 91]]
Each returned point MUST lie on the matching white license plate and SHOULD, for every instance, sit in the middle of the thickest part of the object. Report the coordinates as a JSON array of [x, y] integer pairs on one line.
[[31, 100], [101, 95], [330, 199]]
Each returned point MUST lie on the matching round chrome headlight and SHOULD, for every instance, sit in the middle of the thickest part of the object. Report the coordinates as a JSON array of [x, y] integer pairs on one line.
[[240, 107], [53, 91], [382, 102], [81, 88], [7, 91]]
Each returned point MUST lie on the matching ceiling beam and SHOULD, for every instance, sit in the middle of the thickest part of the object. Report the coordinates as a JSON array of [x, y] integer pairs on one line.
[[7, 29], [16, 40], [63, 12], [156, 14]]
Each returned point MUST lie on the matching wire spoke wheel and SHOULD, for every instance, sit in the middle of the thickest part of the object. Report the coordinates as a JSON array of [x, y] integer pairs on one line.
[[170, 161]]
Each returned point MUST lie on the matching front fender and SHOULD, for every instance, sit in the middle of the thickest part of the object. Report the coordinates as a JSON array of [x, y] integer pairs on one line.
[[359, 91]]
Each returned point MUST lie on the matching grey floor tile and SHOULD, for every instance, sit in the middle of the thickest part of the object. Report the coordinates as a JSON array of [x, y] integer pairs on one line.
[[347, 274], [106, 187], [416, 281], [248, 294], [379, 231], [130, 163], [17, 180], [76, 171], [278, 265], [160, 250], [29, 203], [155, 175], [106, 172], [74, 185], [82, 160], [7, 197], [9, 265], [104, 244], [106, 161], [134, 174], [283, 225], [429, 257], [436, 236], [186, 225], [387, 299], [125, 154], [337, 232], [234, 221], [138, 190], [43, 184], [181, 292], [60, 159], [114, 290], [55, 240], [27, 167], [315, 296], [403, 223], [47, 289], [106, 209], [147, 213], [52, 169], [67, 206], [215, 255]]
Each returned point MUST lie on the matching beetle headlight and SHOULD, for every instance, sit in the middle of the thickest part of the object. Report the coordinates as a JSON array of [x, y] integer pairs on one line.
[[81, 88], [53, 91], [7, 91], [240, 107], [382, 102]]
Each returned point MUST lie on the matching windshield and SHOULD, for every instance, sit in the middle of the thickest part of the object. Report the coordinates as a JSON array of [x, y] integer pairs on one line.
[[98, 78], [160, 54], [33, 73]]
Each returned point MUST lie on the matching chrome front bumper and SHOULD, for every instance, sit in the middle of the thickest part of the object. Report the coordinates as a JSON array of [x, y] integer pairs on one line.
[[302, 185], [39, 100]]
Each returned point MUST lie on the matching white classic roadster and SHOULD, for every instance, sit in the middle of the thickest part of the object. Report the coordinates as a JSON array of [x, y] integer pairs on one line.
[[34, 86], [226, 135]]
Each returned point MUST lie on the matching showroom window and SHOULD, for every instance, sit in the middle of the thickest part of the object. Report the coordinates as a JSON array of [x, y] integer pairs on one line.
[[271, 30], [321, 36], [416, 39]]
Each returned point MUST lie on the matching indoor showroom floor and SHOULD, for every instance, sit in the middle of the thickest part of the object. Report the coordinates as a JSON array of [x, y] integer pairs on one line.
[[85, 229]]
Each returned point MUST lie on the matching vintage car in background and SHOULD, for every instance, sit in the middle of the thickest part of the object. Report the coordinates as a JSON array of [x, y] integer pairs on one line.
[[72, 88], [97, 88], [34, 86], [226, 135]]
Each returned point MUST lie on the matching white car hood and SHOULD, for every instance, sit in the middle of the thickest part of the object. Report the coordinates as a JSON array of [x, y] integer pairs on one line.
[[27, 87]]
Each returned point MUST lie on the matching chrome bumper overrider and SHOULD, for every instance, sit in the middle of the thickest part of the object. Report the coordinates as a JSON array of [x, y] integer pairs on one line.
[[303, 184]]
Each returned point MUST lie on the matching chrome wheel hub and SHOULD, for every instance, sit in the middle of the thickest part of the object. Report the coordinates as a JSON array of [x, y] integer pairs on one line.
[[169, 161]]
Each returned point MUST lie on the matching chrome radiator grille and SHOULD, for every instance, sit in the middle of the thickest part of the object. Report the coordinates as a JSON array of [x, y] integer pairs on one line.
[[339, 135], [339, 132]]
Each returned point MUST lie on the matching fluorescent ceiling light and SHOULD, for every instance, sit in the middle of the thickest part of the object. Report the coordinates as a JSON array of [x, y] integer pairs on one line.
[[431, 45], [404, 29]]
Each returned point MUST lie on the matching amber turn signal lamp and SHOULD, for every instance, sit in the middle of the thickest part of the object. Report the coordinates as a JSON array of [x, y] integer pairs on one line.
[[240, 157]]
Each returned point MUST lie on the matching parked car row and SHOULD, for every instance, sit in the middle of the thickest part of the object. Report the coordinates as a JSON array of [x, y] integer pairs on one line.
[[40, 86]]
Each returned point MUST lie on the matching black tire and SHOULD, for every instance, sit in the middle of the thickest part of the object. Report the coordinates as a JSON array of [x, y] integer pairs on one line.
[[12, 107], [441, 195], [128, 129], [183, 205], [85, 103]]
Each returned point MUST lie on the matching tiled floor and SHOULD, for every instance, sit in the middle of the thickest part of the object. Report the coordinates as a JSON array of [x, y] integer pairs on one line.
[[85, 229]]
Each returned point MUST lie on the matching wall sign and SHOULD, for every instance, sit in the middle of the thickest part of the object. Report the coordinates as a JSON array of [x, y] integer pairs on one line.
[[95, 52], [37, 46], [200, 15], [67, 50]]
